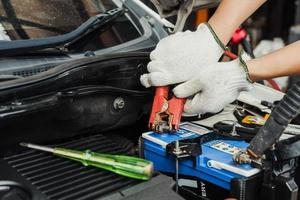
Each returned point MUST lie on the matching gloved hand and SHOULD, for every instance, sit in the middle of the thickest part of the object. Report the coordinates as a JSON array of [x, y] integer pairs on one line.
[[215, 86], [178, 57]]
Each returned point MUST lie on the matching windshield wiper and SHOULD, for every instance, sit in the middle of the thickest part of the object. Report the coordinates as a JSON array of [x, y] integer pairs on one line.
[[95, 22]]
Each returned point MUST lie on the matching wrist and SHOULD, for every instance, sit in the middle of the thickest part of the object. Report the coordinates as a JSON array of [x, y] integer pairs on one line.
[[252, 70], [256, 71], [222, 30]]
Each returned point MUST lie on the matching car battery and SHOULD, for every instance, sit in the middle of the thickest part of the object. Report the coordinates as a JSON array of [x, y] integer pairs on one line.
[[206, 161]]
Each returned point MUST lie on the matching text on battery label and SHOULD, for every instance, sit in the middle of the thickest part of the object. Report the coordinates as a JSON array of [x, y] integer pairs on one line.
[[183, 133], [226, 148], [194, 128]]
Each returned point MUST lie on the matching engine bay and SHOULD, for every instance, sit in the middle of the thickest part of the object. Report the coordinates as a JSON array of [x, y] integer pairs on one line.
[[79, 92]]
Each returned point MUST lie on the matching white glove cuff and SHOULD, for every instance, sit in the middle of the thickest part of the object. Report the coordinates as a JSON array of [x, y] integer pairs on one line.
[[207, 28], [241, 78], [240, 82], [244, 66]]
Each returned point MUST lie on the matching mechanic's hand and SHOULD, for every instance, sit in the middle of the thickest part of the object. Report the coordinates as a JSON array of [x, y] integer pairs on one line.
[[215, 86], [177, 58]]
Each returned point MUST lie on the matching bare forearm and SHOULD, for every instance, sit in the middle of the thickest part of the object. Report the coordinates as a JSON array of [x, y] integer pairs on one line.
[[285, 61], [230, 15]]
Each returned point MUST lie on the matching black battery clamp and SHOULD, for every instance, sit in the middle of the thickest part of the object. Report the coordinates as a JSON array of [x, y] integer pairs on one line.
[[286, 110]]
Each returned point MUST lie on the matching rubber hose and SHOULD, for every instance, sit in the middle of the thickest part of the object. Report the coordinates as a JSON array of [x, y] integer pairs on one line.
[[285, 111]]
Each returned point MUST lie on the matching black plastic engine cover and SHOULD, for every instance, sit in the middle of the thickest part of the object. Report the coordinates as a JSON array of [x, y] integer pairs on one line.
[[91, 94]]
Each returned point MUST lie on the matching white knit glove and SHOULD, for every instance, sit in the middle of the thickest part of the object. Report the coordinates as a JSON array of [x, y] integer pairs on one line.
[[177, 58], [215, 86]]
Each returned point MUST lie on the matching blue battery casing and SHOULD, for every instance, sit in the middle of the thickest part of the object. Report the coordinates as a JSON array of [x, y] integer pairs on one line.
[[214, 165]]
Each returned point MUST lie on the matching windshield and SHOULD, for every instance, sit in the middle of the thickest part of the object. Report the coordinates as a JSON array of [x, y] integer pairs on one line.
[[32, 19]]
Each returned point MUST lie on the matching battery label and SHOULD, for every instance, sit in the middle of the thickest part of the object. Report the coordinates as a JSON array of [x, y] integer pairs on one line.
[[224, 147], [194, 128], [185, 133]]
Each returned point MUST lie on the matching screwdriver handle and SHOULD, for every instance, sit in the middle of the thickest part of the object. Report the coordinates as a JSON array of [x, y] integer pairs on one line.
[[129, 166]]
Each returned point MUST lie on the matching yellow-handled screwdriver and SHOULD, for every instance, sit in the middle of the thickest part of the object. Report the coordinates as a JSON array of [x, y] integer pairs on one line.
[[129, 166]]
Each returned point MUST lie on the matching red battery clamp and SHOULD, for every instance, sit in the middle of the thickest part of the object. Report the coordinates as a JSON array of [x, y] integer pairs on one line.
[[166, 113]]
